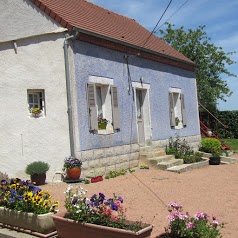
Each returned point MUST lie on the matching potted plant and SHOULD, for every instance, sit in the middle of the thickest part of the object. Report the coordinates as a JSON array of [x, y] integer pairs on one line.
[[25, 206], [35, 112], [102, 123], [72, 166], [37, 170], [213, 146], [177, 121], [96, 217]]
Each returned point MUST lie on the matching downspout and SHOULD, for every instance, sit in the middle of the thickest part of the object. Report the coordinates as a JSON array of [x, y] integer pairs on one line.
[[69, 104]]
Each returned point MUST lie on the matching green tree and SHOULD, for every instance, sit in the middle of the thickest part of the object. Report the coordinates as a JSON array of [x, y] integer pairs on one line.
[[211, 62]]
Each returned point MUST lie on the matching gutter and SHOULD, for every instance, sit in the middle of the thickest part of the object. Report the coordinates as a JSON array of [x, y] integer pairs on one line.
[[133, 46], [69, 101]]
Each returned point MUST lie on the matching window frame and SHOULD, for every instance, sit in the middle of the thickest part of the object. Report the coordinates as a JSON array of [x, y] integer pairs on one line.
[[110, 109], [40, 94], [177, 109]]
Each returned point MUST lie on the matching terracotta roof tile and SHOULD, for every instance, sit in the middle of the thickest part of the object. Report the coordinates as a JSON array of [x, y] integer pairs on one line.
[[92, 18]]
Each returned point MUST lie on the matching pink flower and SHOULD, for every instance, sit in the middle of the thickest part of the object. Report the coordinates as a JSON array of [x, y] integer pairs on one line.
[[174, 205], [190, 225], [215, 223], [201, 215], [170, 218]]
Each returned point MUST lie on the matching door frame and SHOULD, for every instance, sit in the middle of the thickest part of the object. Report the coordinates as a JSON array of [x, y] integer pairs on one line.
[[146, 111]]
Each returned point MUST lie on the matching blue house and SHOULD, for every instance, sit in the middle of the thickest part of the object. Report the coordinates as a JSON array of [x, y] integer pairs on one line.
[[125, 88]]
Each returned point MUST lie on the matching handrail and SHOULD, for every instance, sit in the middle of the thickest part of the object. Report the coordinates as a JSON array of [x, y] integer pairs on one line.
[[213, 115]]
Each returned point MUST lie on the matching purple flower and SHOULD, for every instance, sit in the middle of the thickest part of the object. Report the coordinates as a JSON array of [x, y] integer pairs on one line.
[[74, 201], [20, 198], [11, 200], [4, 182], [36, 189], [120, 199], [13, 192], [101, 197], [114, 207]]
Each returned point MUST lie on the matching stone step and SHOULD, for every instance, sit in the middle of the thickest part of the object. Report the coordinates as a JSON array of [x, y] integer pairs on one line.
[[186, 167], [153, 153], [153, 161], [164, 165]]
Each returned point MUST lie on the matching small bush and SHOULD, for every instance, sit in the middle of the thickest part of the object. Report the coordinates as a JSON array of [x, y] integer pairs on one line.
[[193, 158], [115, 173], [37, 167], [211, 145], [178, 148]]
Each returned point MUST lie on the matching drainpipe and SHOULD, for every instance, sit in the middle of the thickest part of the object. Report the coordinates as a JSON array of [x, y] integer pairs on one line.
[[69, 105]]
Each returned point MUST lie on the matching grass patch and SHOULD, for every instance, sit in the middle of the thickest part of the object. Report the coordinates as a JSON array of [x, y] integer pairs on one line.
[[233, 143]]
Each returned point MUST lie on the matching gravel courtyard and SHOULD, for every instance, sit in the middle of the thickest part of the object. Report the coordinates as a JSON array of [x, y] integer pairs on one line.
[[146, 193]]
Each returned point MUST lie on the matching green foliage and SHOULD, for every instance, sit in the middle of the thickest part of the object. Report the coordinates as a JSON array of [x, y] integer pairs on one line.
[[86, 181], [144, 166], [233, 143], [211, 62], [115, 173], [182, 150], [24, 196], [211, 145], [228, 118], [37, 167], [193, 158]]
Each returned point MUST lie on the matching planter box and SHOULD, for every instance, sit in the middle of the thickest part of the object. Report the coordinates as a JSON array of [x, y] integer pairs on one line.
[[38, 223], [66, 226]]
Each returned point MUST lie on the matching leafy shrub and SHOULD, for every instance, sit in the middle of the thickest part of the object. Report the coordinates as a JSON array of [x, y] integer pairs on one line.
[[193, 158], [115, 173], [197, 226], [211, 145], [228, 118], [178, 148], [37, 167]]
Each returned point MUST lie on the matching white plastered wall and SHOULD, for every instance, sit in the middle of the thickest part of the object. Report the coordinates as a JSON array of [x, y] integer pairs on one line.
[[21, 19], [38, 64]]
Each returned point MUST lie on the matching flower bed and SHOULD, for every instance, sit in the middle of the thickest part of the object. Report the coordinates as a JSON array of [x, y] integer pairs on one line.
[[26, 206], [201, 225], [106, 214]]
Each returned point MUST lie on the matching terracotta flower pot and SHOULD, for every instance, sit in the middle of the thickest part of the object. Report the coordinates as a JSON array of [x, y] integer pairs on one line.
[[65, 227], [38, 179], [74, 173]]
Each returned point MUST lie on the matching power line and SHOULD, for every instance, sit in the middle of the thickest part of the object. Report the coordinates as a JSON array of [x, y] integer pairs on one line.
[[171, 15], [157, 24]]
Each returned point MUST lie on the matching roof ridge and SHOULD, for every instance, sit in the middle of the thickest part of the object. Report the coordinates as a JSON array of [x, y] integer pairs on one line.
[[132, 19]]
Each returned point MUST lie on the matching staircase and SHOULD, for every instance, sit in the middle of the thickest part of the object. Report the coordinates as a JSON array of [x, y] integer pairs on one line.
[[157, 158], [207, 132]]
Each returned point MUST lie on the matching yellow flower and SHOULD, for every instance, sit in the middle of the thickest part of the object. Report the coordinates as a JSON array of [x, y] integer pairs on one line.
[[13, 186]]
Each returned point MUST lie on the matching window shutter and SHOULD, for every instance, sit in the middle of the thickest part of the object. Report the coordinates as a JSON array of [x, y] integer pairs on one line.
[[171, 109], [115, 109], [92, 109], [183, 110]]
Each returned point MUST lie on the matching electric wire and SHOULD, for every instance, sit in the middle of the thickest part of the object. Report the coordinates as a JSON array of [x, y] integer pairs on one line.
[[157, 24], [171, 16]]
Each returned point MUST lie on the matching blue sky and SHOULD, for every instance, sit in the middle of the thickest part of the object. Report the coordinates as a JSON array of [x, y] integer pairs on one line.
[[219, 16]]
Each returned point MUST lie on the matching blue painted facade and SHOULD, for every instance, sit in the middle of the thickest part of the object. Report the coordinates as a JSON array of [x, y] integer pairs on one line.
[[98, 61]]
